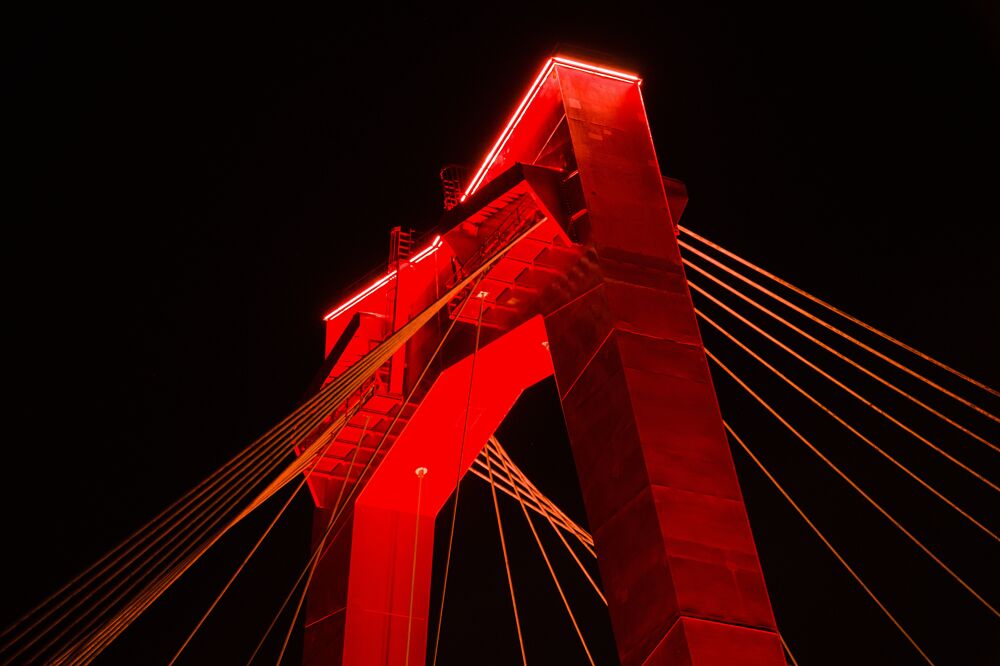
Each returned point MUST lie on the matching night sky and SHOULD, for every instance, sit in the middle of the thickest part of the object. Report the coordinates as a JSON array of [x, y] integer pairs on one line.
[[187, 193]]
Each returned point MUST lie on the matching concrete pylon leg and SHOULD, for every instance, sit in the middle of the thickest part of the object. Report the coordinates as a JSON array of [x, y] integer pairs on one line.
[[676, 554], [677, 558], [380, 620]]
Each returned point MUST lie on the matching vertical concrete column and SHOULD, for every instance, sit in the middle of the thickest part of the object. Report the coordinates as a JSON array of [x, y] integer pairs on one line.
[[440, 439], [676, 554], [379, 625], [327, 598]]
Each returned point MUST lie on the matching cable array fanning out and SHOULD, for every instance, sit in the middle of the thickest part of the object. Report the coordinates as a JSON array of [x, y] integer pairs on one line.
[[923, 433], [882, 415], [78, 621]]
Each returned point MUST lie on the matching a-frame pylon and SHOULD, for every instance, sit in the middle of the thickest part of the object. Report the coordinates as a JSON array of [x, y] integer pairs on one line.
[[596, 295]]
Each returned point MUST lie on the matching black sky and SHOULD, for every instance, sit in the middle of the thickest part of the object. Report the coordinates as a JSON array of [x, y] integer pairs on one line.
[[188, 191]]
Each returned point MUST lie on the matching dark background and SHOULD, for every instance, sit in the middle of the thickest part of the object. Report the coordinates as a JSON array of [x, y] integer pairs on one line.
[[186, 194]]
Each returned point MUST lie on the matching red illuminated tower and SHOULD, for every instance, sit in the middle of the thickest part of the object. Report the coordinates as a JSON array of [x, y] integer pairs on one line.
[[597, 297]]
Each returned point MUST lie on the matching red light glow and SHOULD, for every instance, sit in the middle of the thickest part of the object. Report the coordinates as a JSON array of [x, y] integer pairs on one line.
[[611, 359], [526, 102], [509, 129], [491, 156], [594, 69], [427, 251], [382, 281], [360, 296]]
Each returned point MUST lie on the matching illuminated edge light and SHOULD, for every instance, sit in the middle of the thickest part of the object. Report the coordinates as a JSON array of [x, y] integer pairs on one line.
[[594, 69], [509, 129], [427, 251], [526, 102], [384, 280], [522, 108]]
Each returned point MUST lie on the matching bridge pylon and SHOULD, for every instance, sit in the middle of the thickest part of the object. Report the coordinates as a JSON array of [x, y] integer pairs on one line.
[[596, 295]]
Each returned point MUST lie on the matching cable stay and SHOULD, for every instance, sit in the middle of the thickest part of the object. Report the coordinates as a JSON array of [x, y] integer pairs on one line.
[[177, 522], [101, 635], [248, 477], [788, 650], [841, 356], [535, 499], [829, 545], [319, 552], [506, 560], [339, 508], [494, 447], [257, 545], [181, 542], [533, 492], [854, 485], [845, 388], [509, 467], [382, 353], [505, 486], [458, 479], [555, 579], [846, 425], [841, 313], [201, 530], [499, 467], [312, 571], [74, 624], [834, 329]]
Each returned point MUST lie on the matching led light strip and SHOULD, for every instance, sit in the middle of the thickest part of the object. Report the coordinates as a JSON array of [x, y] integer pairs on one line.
[[427, 251], [509, 129], [505, 135], [594, 69], [384, 280], [526, 102]]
